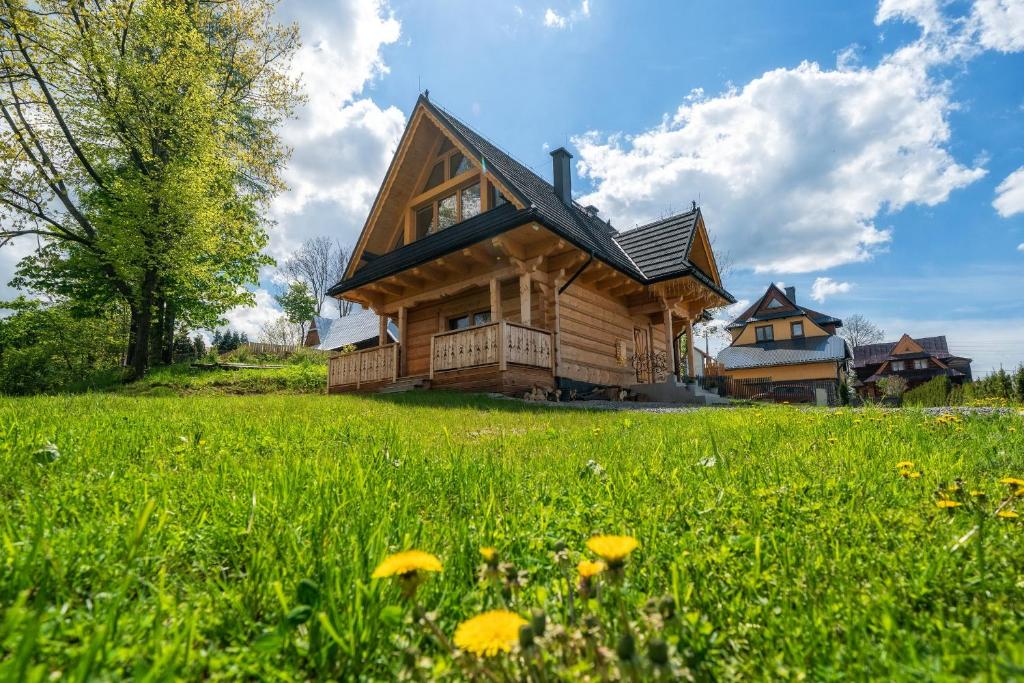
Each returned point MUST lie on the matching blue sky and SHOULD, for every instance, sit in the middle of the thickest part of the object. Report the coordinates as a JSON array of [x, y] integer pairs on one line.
[[863, 152]]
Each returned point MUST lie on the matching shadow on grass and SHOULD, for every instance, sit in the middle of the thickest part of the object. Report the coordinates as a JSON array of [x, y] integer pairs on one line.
[[440, 398]]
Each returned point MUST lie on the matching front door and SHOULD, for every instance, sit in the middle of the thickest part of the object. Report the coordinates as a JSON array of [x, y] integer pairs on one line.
[[642, 357]]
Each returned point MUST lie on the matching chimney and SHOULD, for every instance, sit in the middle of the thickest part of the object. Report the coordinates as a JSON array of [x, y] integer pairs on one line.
[[561, 174], [791, 294]]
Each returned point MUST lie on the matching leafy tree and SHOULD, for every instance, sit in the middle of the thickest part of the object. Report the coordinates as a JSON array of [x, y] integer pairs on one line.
[[298, 304], [137, 143], [319, 263], [859, 331], [49, 347]]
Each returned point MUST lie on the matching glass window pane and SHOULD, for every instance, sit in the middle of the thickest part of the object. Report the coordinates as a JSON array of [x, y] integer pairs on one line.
[[458, 164], [459, 323], [497, 198], [471, 201], [482, 318], [446, 212], [436, 176], [424, 221]]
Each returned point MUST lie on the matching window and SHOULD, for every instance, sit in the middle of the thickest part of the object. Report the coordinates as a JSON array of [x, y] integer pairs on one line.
[[446, 216], [469, 201], [461, 322], [797, 329], [765, 333], [921, 364], [424, 221], [436, 176], [897, 366], [774, 303], [497, 198], [458, 164]]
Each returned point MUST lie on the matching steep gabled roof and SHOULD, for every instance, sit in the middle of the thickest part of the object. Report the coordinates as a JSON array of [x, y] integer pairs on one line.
[[791, 308], [568, 220], [871, 354]]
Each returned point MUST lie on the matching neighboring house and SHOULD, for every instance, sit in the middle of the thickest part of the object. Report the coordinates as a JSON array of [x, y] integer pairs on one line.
[[498, 281], [360, 328], [779, 340], [915, 360]]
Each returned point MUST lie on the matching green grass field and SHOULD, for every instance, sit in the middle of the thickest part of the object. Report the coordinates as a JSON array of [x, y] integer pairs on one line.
[[157, 538]]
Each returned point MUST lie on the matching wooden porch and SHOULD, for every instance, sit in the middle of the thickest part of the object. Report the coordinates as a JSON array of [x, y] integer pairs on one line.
[[500, 356]]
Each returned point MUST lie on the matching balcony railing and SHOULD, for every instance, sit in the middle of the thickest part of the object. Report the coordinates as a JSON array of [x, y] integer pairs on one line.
[[379, 364], [498, 343]]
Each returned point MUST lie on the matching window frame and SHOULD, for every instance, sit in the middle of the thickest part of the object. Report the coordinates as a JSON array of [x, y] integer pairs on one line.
[[792, 328], [897, 365], [770, 336], [921, 364], [470, 317]]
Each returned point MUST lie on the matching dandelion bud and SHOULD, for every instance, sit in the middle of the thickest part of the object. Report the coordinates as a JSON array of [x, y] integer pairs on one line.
[[538, 622], [657, 651], [526, 636], [626, 649]]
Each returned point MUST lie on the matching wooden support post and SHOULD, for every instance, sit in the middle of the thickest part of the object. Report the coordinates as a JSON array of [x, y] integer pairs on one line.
[[495, 300], [691, 350], [671, 350], [382, 332], [502, 343], [403, 339], [556, 352], [525, 301]]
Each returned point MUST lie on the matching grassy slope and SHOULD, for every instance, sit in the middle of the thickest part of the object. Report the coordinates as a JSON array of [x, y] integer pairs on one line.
[[184, 379], [155, 542]]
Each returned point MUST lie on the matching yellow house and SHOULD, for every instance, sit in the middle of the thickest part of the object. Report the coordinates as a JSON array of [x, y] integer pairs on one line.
[[779, 340]]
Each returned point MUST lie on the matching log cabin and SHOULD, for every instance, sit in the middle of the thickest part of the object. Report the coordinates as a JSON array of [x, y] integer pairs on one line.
[[915, 360], [498, 281]]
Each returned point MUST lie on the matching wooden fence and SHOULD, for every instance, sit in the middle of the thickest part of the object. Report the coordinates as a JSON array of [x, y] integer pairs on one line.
[[765, 389], [498, 343], [378, 364]]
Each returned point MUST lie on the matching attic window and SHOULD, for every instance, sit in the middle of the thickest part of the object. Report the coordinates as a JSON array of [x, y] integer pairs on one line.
[[436, 176], [497, 198], [774, 303], [458, 164]]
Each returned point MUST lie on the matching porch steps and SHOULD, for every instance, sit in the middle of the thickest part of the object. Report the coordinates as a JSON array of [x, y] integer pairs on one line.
[[406, 384]]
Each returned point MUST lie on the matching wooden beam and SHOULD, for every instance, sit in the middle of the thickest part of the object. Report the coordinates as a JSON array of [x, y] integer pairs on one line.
[[691, 352], [525, 307], [671, 349], [403, 340], [495, 287], [509, 248], [382, 331]]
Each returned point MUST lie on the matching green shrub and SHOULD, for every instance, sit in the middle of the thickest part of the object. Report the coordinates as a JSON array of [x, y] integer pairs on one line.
[[930, 394]]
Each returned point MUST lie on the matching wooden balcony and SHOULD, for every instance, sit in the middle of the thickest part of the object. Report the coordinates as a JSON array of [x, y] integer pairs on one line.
[[353, 371], [498, 344]]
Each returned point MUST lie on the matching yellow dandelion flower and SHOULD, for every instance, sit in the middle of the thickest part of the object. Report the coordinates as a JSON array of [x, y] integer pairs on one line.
[[588, 568], [910, 474], [613, 549], [904, 465], [488, 553], [947, 504], [489, 633], [407, 562], [1007, 514], [977, 494], [1012, 481]]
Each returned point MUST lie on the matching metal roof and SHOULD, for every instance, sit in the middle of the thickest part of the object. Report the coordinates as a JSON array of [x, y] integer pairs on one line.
[[748, 316], [358, 326], [786, 352], [869, 354]]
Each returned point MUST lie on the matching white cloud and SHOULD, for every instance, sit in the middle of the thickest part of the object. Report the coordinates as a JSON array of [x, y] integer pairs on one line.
[[553, 19], [926, 13], [999, 24], [1009, 199], [1020, 247], [252, 319], [796, 168], [825, 287]]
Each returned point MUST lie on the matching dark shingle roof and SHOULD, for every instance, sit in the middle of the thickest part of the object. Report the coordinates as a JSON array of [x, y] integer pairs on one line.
[[747, 316], [786, 352], [869, 354], [662, 247], [570, 221]]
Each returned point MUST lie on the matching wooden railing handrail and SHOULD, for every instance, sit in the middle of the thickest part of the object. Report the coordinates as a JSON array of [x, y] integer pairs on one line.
[[527, 327], [338, 354], [467, 329]]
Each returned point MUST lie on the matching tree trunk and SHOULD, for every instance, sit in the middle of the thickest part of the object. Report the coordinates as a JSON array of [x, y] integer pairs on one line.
[[167, 357], [140, 351]]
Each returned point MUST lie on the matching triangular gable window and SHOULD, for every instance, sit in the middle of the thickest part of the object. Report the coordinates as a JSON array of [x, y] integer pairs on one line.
[[774, 303]]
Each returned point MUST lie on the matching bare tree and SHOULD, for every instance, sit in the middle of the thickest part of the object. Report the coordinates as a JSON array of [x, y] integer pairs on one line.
[[319, 263], [281, 332], [859, 331]]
